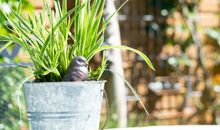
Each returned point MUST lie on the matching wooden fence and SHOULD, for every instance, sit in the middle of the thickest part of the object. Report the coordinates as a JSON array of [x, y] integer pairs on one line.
[[164, 92], [143, 26]]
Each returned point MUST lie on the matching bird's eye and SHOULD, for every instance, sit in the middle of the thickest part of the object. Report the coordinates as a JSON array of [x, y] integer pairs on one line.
[[80, 60]]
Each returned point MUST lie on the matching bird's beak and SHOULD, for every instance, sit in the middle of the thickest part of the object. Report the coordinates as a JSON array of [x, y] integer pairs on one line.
[[86, 64]]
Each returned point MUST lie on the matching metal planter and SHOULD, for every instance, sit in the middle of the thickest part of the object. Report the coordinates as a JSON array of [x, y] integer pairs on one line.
[[64, 105]]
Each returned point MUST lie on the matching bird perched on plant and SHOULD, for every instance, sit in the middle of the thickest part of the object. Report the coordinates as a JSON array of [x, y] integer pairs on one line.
[[77, 70]]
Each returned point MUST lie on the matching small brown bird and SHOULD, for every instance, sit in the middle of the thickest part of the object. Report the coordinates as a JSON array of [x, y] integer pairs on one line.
[[77, 70]]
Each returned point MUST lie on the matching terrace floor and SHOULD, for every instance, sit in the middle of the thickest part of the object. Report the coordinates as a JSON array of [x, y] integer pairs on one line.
[[179, 127]]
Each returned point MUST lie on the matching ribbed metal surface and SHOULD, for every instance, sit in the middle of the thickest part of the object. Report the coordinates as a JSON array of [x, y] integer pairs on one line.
[[64, 105], [57, 115]]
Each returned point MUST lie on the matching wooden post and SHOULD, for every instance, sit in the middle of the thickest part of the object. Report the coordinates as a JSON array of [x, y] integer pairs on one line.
[[115, 57]]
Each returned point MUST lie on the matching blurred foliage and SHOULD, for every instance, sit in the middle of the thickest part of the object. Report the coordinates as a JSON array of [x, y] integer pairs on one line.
[[167, 5], [10, 77], [7, 5], [184, 31], [178, 34], [9, 112], [214, 33], [177, 37]]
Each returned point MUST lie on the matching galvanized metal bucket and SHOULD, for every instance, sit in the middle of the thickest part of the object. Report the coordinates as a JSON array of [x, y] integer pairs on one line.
[[64, 105]]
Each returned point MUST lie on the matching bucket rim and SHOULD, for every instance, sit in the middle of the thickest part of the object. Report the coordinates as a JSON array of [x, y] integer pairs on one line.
[[67, 82]]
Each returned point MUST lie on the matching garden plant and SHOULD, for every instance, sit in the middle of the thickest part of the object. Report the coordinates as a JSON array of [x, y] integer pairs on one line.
[[57, 53]]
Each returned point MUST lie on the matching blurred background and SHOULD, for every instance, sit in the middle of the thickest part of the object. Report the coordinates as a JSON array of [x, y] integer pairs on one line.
[[182, 39]]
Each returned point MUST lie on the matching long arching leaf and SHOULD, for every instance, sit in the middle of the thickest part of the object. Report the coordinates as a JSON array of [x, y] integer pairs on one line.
[[146, 59]]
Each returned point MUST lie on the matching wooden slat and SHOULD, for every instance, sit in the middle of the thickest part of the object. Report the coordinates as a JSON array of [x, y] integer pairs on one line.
[[209, 6], [208, 19]]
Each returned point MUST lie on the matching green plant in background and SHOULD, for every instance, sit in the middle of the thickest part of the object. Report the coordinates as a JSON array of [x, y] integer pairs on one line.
[[188, 35], [9, 114], [48, 47], [214, 33], [10, 77], [6, 6]]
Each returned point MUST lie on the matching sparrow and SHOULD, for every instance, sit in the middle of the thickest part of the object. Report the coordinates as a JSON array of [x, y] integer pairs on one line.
[[77, 70]]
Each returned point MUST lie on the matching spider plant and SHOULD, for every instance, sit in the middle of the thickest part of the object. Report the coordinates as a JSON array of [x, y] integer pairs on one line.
[[49, 47]]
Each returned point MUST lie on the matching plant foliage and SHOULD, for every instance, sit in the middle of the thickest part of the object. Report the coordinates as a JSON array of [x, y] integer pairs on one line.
[[9, 114], [49, 47]]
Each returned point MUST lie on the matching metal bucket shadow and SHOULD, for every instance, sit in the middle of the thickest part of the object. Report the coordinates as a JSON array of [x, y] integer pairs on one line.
[[64, 105]]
